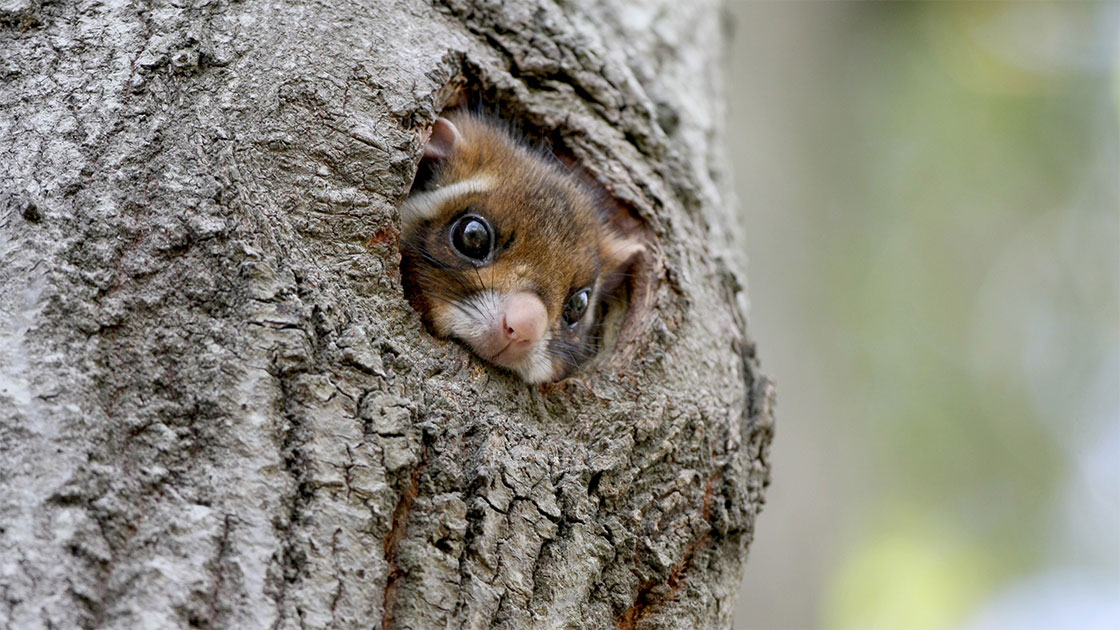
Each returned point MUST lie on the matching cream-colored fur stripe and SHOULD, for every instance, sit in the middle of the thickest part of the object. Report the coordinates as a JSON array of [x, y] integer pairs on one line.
[[425, 205]]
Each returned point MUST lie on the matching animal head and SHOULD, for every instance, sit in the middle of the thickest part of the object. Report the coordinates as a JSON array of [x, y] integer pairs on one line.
[[505, 251]]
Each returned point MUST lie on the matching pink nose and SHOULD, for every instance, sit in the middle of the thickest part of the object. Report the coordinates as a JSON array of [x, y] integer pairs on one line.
[[525, 318]]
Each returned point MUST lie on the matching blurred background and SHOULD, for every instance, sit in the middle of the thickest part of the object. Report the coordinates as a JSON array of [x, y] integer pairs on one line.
[[932, 199]]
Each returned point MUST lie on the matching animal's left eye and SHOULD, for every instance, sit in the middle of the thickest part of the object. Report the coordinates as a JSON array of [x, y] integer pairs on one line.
[[576, 306], [473, 237]]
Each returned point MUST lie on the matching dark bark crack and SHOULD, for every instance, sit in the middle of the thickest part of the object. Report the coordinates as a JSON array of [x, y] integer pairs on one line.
[[219, 571], [652, 594], [396, 534]]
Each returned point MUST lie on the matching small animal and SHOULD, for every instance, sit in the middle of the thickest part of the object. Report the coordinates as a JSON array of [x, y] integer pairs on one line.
[[505, 250]]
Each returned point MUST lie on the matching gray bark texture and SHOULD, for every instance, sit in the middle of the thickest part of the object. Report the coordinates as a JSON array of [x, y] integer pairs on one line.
[[216, 408]]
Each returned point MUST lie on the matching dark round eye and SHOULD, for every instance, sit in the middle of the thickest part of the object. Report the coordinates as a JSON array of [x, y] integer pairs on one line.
[[473, 237], [576, 307]]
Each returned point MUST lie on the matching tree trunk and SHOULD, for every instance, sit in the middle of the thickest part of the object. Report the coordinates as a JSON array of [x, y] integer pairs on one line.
[[216, 407]]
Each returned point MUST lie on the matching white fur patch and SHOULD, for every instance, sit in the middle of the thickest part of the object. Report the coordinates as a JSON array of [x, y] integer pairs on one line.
[[472, 317], [537, 366], [427, 204]]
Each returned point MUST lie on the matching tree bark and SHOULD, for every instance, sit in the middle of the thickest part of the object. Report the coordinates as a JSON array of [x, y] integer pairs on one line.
[[216, 408]]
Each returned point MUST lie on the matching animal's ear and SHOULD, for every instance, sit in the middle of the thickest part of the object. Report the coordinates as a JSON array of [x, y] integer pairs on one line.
[[620, 256], [442, 141], [620, 251]]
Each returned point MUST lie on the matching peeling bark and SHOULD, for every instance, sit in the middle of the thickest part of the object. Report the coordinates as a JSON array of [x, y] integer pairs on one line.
[[216, 408]]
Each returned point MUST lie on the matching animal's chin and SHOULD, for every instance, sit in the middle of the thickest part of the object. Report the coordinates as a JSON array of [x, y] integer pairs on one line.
[[512, 355], [522, 361], [533, 376]]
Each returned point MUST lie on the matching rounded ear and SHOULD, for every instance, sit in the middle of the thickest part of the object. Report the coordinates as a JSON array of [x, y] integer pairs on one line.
[[442, 141], [620, 251], [621, 254]]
